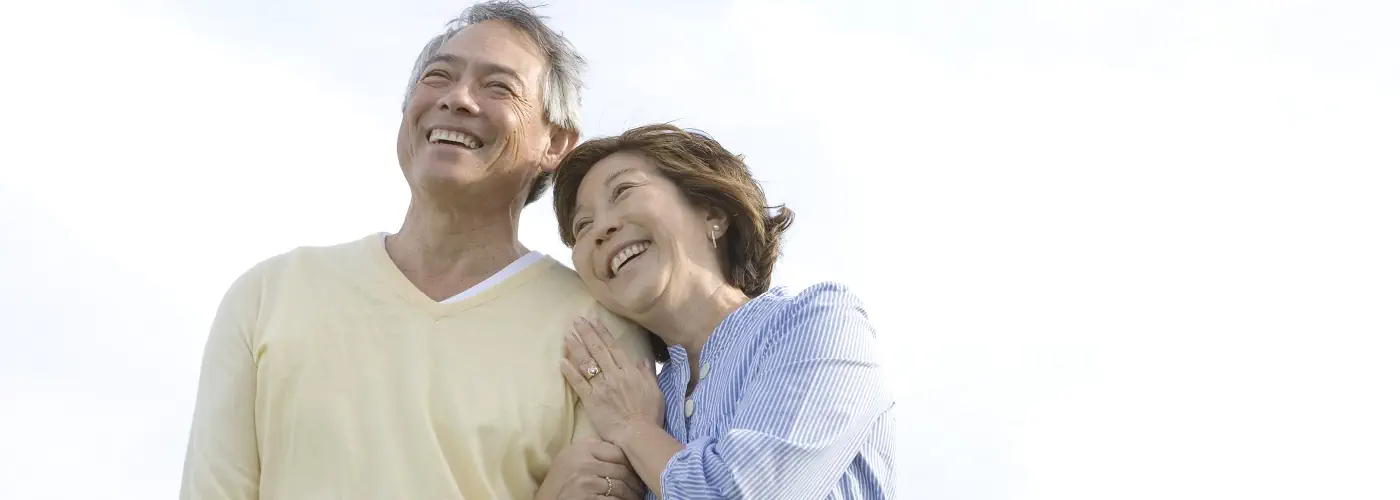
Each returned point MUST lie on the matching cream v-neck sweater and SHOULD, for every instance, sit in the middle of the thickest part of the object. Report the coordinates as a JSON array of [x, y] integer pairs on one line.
[[327, 374]]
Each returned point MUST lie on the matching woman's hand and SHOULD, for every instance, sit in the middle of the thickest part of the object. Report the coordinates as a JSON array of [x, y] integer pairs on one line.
[[617, 392], [591, 469]]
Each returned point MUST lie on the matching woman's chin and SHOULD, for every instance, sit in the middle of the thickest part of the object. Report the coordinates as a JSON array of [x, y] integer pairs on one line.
[[635, 296]]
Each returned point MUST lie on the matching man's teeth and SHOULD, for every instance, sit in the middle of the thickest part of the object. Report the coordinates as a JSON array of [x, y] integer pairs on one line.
[[467, 141], [627, 253]]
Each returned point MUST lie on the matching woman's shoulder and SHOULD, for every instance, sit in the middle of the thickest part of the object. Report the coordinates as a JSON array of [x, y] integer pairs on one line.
[[827, 290], [822, 298], [820, 310]]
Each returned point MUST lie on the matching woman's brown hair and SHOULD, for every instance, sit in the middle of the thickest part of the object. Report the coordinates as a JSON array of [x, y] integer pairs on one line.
[[709, 176]]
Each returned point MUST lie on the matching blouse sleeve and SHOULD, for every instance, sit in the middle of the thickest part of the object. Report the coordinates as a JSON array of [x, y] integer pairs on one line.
[[801, 416]]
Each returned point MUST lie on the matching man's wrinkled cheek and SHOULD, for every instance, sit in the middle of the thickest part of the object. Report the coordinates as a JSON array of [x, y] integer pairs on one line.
[[407, 130], [404, 146], [520, 110]]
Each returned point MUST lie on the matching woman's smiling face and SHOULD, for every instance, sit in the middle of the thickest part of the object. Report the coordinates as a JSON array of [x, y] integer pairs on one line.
[[637, 236]]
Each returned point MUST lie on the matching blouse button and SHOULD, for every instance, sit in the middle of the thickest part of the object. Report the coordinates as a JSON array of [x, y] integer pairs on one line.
[[704, 370], [689, 407]]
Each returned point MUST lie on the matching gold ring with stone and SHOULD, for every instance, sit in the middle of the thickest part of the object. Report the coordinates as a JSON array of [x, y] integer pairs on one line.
[[591, 371]]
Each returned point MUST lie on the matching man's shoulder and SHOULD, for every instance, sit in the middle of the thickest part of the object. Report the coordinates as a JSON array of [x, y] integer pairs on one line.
[[334, 254], [305, 258], [570, 296], [556, 284], [556, 275]]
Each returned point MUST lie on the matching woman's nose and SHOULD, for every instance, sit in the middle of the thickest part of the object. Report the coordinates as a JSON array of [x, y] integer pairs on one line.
[[607, 234]]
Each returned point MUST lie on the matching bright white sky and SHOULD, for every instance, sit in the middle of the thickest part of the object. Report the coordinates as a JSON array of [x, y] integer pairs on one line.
[[1114, 249]]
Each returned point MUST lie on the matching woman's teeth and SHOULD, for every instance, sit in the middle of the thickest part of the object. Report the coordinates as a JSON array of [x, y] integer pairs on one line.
[[627, 253]]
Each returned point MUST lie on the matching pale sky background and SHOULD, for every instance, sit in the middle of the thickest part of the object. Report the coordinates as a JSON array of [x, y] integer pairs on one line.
[[1128, 249]]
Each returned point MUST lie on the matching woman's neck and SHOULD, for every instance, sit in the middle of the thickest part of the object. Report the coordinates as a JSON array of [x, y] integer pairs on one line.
[[690, 315]]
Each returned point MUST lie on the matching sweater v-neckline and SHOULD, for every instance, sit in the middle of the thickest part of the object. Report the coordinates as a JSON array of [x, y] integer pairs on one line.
[[406, 290]]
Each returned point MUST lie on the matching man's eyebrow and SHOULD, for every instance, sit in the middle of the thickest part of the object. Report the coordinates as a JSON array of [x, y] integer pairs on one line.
[[444, 58], [491, 68], [483, 67]]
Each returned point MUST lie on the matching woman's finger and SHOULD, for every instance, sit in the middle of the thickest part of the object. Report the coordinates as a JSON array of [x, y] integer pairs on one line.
[[575, 379], [593, 341], [614, 471], [648, 367], [635, 485], [624, 492], [604, 451], [620, 489], [615, 466], [576, 353], [619, 355], [607, 336]]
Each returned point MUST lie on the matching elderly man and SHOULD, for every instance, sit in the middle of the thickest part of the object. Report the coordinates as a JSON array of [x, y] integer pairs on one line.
[[422, 364]]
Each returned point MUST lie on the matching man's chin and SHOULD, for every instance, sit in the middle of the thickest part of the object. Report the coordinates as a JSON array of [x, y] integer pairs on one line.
[[448, 178], [454, 155]]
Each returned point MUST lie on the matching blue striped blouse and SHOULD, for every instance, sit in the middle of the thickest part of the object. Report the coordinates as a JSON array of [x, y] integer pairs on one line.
[[790, 404]]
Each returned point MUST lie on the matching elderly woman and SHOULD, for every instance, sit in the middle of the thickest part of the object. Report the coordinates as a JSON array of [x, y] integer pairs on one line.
[[764, 393]]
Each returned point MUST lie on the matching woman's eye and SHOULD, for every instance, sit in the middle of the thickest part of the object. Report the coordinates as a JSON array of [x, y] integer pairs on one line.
[[617, 191], [580, 227]]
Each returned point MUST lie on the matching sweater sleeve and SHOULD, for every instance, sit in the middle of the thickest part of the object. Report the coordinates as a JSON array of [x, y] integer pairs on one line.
[[221, 458]]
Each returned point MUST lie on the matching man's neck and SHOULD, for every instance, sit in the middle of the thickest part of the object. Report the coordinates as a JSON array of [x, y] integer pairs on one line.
[[445, 250]]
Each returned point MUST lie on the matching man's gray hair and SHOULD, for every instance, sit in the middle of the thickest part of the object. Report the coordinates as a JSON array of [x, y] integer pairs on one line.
[[562, 85]]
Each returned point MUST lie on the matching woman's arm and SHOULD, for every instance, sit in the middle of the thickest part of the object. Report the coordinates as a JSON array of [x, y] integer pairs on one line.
[[620, 396], [584, 470], [649, 448], [800, 418], [798, 423]]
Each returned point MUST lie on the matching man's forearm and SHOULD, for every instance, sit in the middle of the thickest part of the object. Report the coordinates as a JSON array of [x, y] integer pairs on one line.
[[649, 448]]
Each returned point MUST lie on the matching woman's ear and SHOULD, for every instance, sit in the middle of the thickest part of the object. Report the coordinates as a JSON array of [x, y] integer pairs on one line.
[[716, 220]]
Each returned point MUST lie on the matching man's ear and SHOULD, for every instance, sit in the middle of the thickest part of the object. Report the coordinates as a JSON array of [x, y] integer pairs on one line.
[[561, 141]]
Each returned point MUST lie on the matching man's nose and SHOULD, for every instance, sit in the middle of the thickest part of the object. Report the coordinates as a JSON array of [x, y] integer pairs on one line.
[[459, 100]]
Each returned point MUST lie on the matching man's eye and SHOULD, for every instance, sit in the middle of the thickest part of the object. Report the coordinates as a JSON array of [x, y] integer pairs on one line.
[[505, 88], [435, 74]]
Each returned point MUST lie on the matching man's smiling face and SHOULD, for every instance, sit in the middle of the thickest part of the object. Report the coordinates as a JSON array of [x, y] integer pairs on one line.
[[474, 116]]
